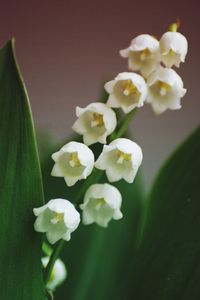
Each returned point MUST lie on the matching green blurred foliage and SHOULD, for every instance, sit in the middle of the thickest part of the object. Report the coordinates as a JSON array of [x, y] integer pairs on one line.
[[167, 264]]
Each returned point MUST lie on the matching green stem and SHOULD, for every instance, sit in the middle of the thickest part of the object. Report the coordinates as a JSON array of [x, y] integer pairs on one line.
[[55, 254], [46, 249], [174, 26], [123, 126]]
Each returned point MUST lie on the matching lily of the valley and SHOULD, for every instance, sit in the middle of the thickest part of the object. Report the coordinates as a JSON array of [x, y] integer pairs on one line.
[[58, 218], [102, 203], [95, 122], [120, 159], [127, 91], [143, 54], [165, 90], [173, 47], [58, 273], [74, 161]]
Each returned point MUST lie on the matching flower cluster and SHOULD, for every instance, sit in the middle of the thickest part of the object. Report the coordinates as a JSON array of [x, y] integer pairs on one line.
[[75, 161], [156, 83]]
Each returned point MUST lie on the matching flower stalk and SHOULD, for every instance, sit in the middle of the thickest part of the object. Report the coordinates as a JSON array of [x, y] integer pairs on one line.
[[55, 254], [123, 125], [155, 83]]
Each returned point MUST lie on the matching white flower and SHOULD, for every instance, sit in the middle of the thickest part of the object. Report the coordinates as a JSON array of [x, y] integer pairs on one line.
[[95, 122], [120, 159], [128, 90], [102, 202], [58, 274], [143, 54], [173, 47], [58, 218], [165, 90], [74, 161]]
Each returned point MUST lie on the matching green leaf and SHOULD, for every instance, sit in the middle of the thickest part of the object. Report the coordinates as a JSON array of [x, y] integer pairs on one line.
[[20, 188], [167, 266], [98, 260]]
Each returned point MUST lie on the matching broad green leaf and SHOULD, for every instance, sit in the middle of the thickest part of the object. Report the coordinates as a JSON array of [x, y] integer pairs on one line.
[[167, 266], [98, 259], [20, 188]]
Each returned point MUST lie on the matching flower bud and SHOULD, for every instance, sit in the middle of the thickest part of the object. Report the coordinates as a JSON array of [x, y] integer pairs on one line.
[[120, 159], [127, 91], [58, 274], [58, 218], [102, 202], [143, 54], [74, 161], [173, 47], [165, 90], [95, 122]]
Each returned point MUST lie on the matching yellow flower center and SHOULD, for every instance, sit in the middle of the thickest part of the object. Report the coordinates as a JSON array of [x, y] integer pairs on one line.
[[122, 156], [171, 53], [129, 88], [163, 87], [97, 120], [145, 54], [58, 217], [74, 160], [100, 202]]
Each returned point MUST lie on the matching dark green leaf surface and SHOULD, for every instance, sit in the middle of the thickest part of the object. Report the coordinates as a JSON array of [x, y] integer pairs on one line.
[[99, 260], [167, 266], [20, 188]]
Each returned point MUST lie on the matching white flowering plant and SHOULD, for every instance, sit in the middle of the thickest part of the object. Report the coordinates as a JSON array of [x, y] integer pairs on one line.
[[151, 252]]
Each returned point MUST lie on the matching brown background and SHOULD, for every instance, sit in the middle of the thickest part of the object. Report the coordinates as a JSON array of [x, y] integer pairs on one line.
[[66, 49]]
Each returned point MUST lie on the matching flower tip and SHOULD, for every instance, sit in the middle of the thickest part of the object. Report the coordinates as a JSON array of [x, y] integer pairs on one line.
[[174, 26], [123, 53], [118, 215]]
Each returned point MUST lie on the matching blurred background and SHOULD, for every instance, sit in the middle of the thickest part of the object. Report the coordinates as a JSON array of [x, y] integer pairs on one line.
[[67, 49]]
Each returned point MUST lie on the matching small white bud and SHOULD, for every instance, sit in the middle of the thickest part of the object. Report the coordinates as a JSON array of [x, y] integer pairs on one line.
[[173, 47], [127, 91], [74, 161], [58, 218], [58, 274], [120, 159], [95, 122], [102, 202]]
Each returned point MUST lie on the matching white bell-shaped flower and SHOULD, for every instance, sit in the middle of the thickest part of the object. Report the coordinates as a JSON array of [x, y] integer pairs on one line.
[[120, 159], [58, 274], [102, 202], [95, 122], [143, 54], [127, 91], [165, 90], [58, 218], [74, 161], [173, 47]]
